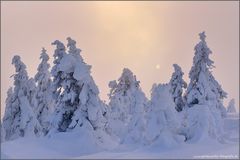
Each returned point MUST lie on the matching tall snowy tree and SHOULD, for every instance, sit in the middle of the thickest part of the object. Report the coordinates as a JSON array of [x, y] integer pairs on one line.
[[58, 76], [177, 84], [19, 119], [162, 123], [78, 102], [127, 104], [205, 94], [203, 85], [44, 99]]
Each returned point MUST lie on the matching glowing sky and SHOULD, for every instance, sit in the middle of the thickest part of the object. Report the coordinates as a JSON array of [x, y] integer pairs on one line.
[[147, 37]]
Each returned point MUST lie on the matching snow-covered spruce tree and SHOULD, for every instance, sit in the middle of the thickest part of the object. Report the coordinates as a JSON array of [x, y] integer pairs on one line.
[[231, 106], [203, 85], [44, 99], [219, 93], [204, 95], [58, 76], [177, 84], [161, 121], [127, 104], [19, 119], [78, 103]]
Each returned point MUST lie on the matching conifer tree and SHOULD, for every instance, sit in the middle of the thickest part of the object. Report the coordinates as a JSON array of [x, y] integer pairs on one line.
[[44, 98], [177, 84], [204, 96], [78, 104], [203, 85], [127, 104], [19, 119]]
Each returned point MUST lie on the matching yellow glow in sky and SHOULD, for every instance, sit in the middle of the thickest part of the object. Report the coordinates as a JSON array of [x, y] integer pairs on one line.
[[112, 35]]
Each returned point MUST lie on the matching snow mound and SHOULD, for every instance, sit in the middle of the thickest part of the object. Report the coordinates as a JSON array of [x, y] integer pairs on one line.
[[58, 146], [231, 127]]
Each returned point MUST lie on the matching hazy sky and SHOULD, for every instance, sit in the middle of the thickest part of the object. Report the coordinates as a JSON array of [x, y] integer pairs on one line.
[[146, 37]]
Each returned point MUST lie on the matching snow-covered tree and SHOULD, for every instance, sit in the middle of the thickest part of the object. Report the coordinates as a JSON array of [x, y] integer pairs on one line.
[[44, 99], [58, 76], [219, 93], [231, 106], [203, 86], [127, 104], [177, 84], [162, 123], [205, 94], [78, 103], [19, 119]]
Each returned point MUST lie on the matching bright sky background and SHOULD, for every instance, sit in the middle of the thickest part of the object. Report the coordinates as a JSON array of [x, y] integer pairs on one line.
[[146, 37]]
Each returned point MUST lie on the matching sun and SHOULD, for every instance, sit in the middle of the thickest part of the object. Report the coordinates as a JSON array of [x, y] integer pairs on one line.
[[157, 66]]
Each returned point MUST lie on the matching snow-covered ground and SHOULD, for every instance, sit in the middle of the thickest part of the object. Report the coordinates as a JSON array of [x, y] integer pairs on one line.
[[77, 146]]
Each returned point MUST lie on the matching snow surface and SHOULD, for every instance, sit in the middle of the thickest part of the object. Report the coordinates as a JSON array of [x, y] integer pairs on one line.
[[70, 145]]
